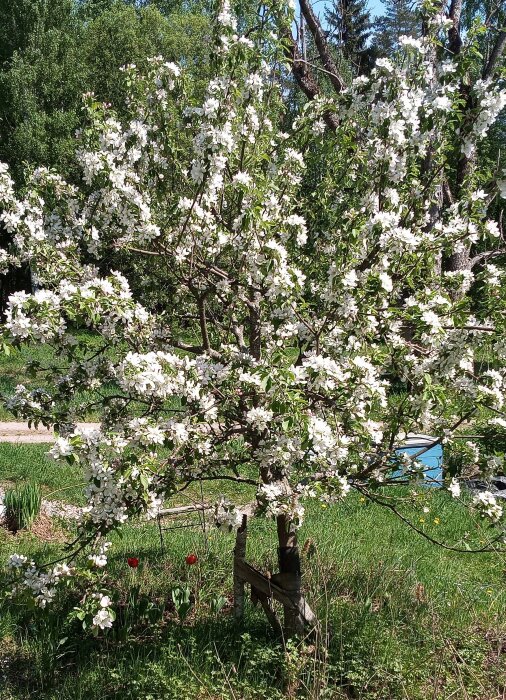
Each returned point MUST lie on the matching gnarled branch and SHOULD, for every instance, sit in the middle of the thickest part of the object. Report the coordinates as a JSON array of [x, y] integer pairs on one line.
[[303, 76], [322, 46]]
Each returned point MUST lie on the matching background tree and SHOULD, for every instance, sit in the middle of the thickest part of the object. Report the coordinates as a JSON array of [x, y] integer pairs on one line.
[[40, 83], [67, 48], [55, 51], [125, 35], [400, 18], [349, 23]]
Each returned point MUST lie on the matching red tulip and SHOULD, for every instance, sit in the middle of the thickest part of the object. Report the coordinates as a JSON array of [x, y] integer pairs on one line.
[[191, 559], [133, 562]]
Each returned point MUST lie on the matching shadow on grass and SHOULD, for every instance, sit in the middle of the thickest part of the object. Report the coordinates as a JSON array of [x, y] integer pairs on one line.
[[207, 658]]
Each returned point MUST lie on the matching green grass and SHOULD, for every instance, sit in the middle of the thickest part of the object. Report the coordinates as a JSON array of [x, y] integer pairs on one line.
[[13, 371], [58, 481], [405, 619]]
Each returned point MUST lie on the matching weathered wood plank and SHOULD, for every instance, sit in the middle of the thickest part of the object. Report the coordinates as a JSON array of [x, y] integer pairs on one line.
[[180, 510], [266, 586]]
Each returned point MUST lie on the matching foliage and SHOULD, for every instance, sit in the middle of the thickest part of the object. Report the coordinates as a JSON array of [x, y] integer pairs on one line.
[[181, 600], [52, 52], [22, 505], [56, 51], [401, 18], [40, 96], [349, 24]]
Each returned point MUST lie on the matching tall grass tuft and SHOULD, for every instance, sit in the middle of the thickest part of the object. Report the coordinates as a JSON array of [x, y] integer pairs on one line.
[[22, 505]]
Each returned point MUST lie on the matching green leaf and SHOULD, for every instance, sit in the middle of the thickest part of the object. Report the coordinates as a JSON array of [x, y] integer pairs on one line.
[[291, 354]]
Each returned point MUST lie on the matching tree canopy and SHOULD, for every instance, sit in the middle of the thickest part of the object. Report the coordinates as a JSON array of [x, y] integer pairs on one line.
[[307, 331]]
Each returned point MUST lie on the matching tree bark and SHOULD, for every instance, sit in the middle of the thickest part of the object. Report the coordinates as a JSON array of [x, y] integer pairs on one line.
[[239, 555], [456, 262], [289, 577], [497, 51], [454, 38]]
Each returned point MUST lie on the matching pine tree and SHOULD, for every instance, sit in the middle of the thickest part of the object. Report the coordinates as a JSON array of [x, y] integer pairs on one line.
[[400, 19], [349, 24]]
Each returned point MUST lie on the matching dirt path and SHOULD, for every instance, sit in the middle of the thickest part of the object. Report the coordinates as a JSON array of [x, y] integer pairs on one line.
[[20, 432]]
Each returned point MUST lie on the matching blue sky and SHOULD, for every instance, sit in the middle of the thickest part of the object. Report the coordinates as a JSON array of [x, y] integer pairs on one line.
[[376, 6]]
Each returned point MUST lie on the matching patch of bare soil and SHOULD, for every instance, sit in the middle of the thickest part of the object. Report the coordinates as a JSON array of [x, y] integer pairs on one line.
[[13, 431], [46, 530], [43, 528]]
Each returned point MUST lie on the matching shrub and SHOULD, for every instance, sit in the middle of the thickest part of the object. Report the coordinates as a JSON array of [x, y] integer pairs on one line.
[[22, 505]]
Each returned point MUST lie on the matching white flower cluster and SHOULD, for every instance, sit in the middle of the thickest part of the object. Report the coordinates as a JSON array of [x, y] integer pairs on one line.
[[159, 374], [62, 448], [39, 584], [36, 316], [486, 504], [275, 499], [99, 558], [113, 493], [30, 404], [104, 617], [454, 488], [259, 418], [226, 515], [327, 444]]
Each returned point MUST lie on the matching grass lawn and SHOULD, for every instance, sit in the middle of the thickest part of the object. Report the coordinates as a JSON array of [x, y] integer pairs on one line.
[[13, 371], [59, 482], [406, 620]]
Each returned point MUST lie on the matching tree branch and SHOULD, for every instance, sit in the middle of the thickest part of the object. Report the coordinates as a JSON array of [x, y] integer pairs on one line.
[[496, 54], [303, 76], [322, 46], [201, 303], [455, 40], [488, 255]]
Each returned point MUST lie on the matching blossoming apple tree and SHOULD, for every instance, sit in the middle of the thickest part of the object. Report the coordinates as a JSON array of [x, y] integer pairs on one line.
[[277, 358]]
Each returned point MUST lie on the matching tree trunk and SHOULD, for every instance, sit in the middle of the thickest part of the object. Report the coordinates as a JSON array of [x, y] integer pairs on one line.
[[457, 262], [285, 587], [289, 576], [239, 555]]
